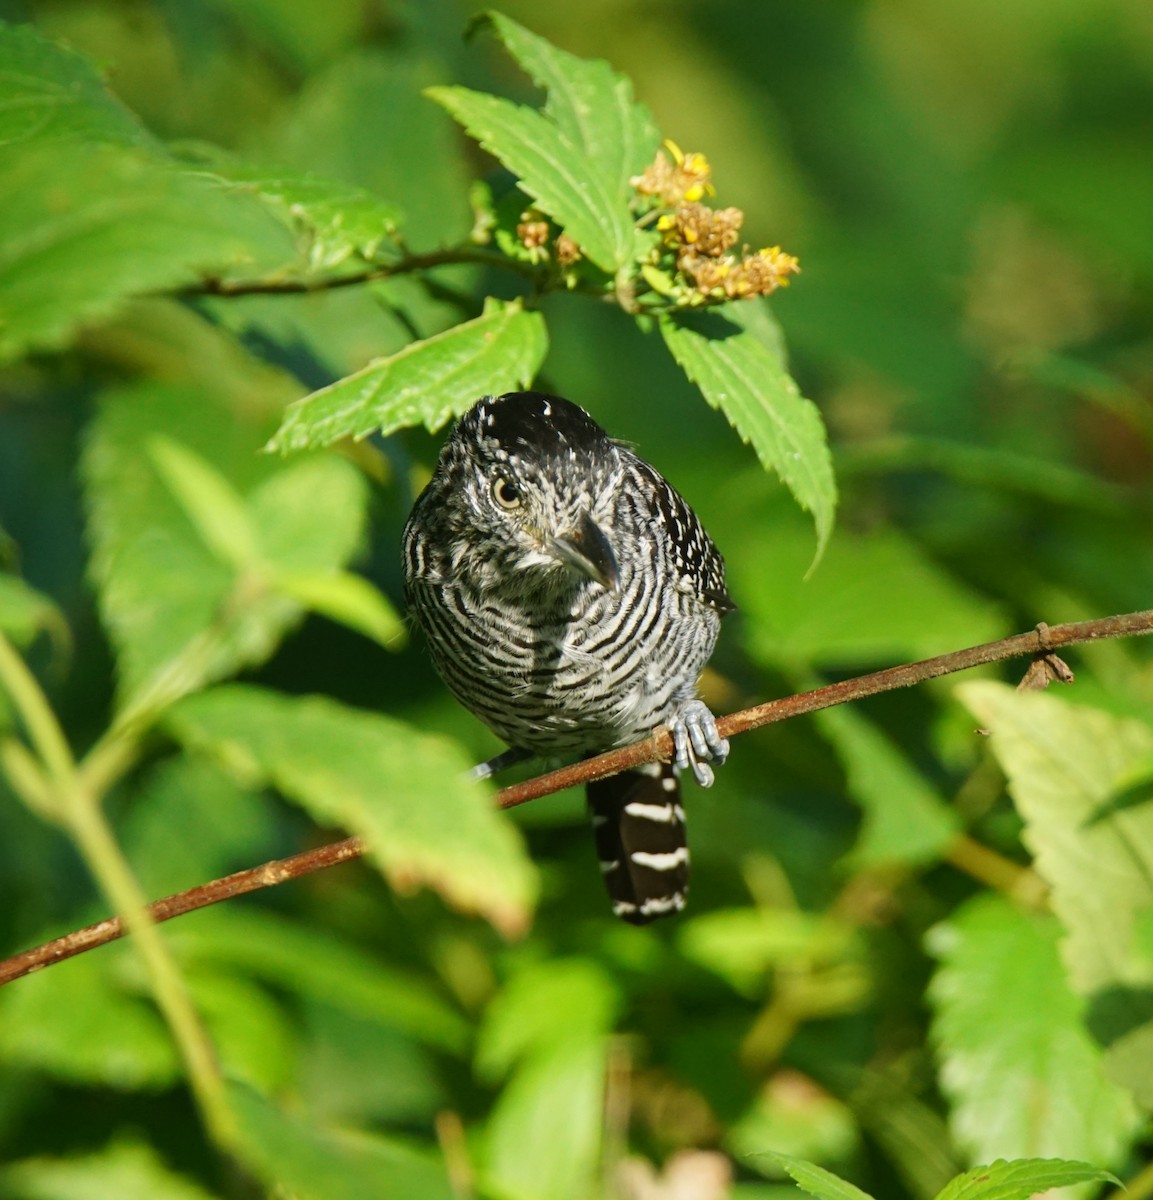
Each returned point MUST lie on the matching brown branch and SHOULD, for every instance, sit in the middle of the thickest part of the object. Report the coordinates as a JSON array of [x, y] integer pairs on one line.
[[1038, 642], [212, 285]]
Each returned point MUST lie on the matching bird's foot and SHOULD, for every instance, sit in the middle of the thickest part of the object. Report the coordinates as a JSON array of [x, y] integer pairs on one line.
[[696, 742]]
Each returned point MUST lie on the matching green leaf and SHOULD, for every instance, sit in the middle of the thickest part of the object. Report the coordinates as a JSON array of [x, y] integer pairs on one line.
[[425, 383], [1021, 1179], [125, 1170], [578, 193], [336, 221], [48, 92], [294, 1155], [816, 1180], [115, 1038], [590, 103], [848, 614], [362, 119], [1082, 781], [24, 612], [1008, 1026], [223, 827], [349, 600], [84, 227], [211, 503], [543, 1138], [407, 794], [190, 600], [252, 1035], [741, 945], [906, 819], [543, 1006], [271, 948], [740, 374]]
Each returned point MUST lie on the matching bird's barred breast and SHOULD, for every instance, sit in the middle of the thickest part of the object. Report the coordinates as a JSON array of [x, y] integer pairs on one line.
[[604, 670]]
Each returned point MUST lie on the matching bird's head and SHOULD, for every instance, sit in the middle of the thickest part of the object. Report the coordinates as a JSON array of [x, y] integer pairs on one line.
[[529, 483]]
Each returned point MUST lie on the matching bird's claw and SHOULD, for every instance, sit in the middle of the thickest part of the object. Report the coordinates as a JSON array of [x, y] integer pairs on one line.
[[696, 742]]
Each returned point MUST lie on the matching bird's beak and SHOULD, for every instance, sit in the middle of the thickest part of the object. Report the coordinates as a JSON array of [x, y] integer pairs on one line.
[[587, 549]]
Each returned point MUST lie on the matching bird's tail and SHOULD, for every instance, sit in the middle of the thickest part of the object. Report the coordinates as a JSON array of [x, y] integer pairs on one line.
[[639, 827]]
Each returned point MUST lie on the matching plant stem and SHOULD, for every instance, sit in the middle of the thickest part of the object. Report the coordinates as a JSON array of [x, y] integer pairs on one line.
[[80, 812]]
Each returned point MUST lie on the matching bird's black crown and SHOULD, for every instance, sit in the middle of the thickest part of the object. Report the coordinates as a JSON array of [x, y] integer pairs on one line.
[[533, 422]]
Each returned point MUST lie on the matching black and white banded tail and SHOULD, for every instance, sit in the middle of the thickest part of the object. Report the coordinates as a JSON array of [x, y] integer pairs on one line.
[[639, 827]]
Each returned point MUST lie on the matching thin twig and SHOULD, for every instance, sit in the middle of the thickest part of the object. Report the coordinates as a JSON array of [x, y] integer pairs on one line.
[[211, 285], [1040, 641]]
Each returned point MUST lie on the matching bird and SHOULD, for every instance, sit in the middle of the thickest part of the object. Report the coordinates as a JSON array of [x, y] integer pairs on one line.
[[570, 599]]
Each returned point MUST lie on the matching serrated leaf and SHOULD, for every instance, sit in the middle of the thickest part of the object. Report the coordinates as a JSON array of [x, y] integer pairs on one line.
[[84, 227], [746, 379], [1080, 779], [425, 383], [816, 1180], [1007, 1026], [48, 91], [292, 1154], [906, 818], [177, 614], [406, 793], [1021, 1179], [590, 103], [126, 1171], [577, 192], [349, 600], [338, 222]]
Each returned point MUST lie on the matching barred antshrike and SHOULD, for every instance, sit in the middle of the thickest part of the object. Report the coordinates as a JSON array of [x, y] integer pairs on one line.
[[570, 599]]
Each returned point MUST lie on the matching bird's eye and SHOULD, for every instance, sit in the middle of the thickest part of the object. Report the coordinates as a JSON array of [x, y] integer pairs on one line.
[[506, 494]]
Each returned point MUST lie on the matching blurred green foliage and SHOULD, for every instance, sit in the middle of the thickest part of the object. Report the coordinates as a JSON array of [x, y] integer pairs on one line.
[[910, 948]]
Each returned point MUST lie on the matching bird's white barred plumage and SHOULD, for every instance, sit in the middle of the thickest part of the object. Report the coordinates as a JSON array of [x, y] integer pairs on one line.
[[570, 599]]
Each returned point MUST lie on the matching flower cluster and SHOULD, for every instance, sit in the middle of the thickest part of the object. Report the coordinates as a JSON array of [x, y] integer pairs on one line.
[[695, 262], [534, 233], [675, 178]]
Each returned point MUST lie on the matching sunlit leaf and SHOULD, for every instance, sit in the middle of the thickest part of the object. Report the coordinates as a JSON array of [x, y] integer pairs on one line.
[[577, 192], [425, 383], [85, 227], [590, 103], [1022, 1179], [184, 585], [1082, 781], [337, 222], [816, 1180], [746, 379], [1007, 1025], [48, 92], [407, 793], [348, 599], [209, 500]]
